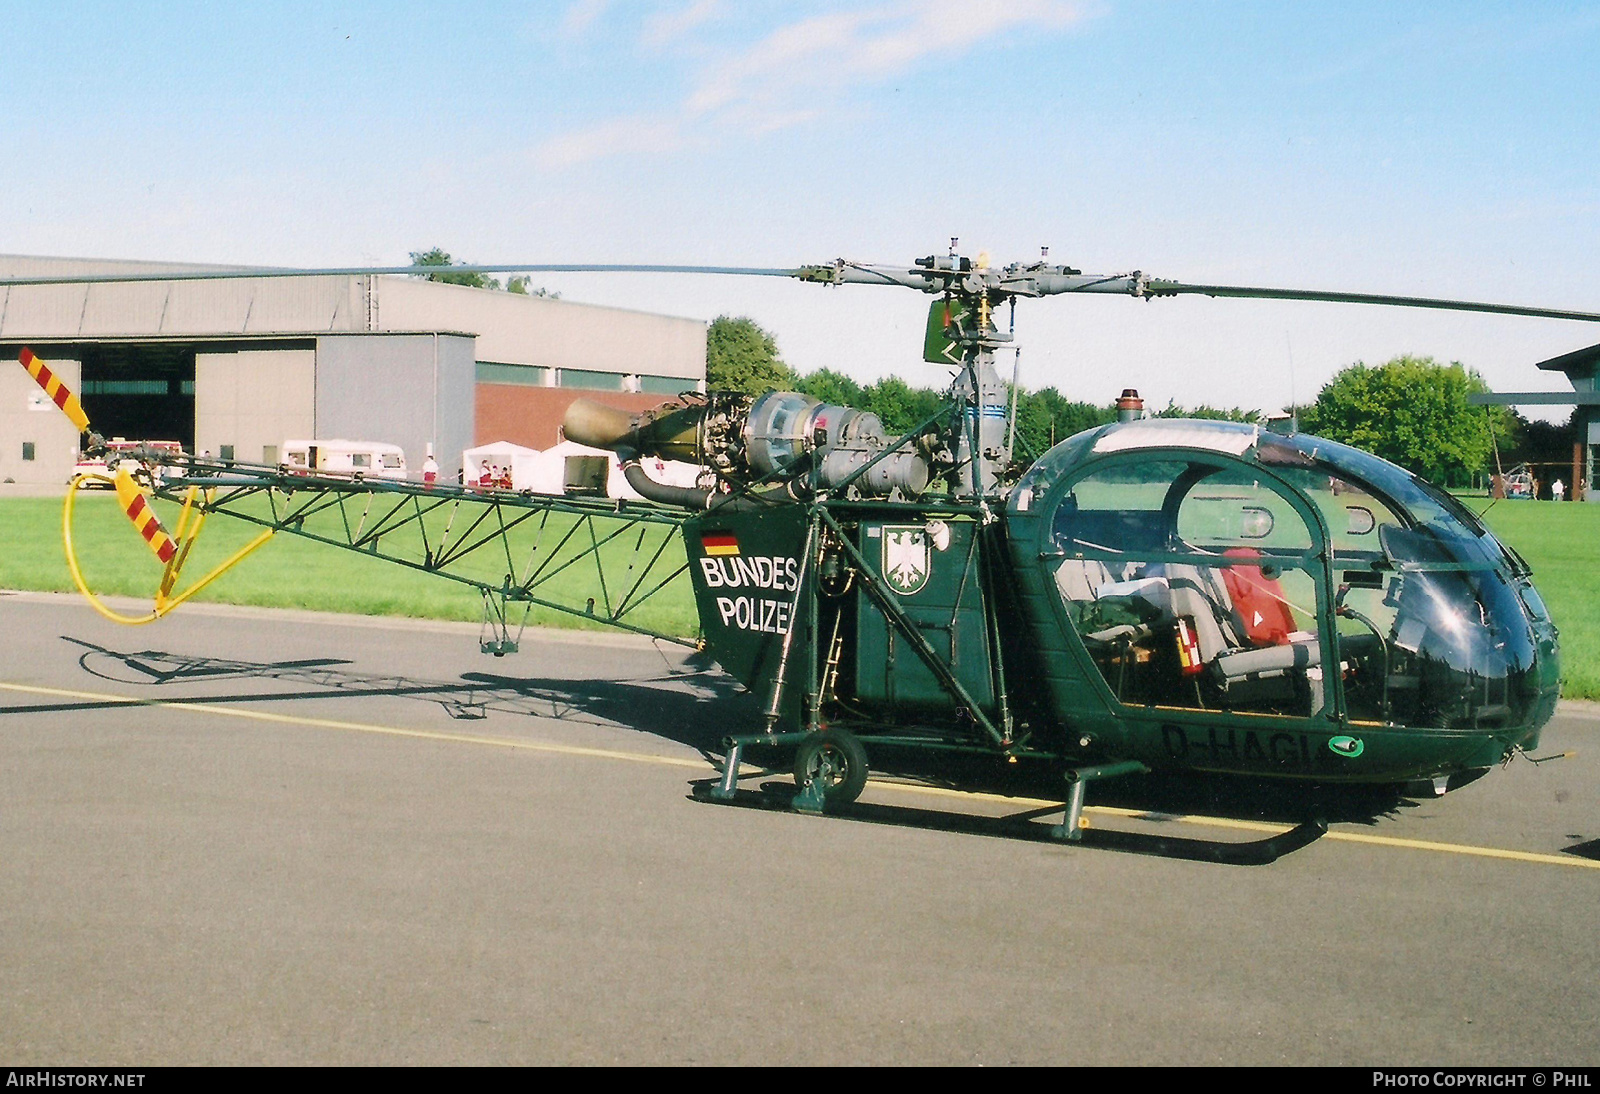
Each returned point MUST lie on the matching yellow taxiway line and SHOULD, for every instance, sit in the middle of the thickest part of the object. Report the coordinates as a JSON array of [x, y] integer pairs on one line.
[[195, 706], [198, 706], [1267, 827]]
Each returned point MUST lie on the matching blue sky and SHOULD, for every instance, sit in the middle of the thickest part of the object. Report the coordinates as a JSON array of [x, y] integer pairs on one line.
[[1449, 150]]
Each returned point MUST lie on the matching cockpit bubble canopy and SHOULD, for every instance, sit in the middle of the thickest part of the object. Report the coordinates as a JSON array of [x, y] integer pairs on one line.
[[1259, 556]]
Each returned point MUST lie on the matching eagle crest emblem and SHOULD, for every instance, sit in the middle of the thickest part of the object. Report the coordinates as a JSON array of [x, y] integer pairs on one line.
[[907, 558]]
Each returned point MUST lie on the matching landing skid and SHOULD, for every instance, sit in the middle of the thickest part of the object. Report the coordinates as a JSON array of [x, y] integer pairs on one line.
[[782, 796]]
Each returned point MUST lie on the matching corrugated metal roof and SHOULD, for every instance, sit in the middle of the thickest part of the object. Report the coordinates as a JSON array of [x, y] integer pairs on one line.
[[510, 328]]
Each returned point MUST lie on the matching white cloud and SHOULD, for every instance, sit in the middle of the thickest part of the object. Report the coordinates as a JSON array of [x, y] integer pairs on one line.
[[581, 14], [785, 78], [667, 27], [631, 134], [868, 44]]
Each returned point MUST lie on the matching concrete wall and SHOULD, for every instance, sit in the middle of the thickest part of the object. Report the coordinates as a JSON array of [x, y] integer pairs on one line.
[[533, 330], [254, 399], [532, 416], [26, 415], [511, 328], [405, 389]]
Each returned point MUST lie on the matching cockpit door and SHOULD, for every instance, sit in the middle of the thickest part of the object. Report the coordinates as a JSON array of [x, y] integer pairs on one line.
[[1199, 583]]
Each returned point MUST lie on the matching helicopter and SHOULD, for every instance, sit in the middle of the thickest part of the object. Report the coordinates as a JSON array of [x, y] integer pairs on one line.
[[1151, 595]]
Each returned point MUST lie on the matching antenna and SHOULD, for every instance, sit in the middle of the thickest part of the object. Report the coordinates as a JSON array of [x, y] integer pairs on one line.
[[1016, 379], [1294, 404]]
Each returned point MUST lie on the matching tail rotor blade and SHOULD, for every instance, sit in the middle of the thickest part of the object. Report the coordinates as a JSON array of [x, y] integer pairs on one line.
[[137, 506], [58, 392]]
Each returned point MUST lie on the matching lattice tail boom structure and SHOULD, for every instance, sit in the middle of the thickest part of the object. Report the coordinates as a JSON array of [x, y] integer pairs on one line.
[[615, 562]]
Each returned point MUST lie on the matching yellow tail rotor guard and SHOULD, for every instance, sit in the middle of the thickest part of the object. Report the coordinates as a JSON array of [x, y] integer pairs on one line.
[[184, 534]]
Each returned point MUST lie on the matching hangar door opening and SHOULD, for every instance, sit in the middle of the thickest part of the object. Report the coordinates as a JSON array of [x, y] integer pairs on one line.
[[141, 393]]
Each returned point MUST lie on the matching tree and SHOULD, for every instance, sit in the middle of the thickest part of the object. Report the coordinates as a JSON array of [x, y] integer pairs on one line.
[[1206, 410], [828, 386], [439, 257], [1539, 442], [520, 285], [1412, 411], [899, 406], [1047, 416], [740, 356]]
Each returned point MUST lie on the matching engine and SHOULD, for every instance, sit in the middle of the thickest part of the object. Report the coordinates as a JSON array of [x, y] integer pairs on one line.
[[781, 438]]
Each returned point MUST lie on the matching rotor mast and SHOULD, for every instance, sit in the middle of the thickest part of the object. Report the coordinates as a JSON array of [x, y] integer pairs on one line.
[[971, 289], [963, 336]]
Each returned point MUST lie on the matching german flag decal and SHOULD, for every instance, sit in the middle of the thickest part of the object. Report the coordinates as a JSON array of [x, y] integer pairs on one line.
[[55, 389], [138, 509], [719, 544]]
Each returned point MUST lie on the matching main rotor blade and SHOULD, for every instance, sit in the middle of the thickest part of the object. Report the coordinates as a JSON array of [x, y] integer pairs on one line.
[[1037, 280], [1041, 280], [1157, 287], [242, 272]]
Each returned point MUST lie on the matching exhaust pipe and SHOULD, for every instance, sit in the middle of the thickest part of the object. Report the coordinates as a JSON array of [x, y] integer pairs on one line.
[[670, 431], [698, 499], [595, 424], [688, 497]]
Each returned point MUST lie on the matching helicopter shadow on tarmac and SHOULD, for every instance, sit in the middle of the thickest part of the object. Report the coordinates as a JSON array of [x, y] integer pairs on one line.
[[1158, 797], [673, 705], [670, 704], [1161, 796], [1157, 803]]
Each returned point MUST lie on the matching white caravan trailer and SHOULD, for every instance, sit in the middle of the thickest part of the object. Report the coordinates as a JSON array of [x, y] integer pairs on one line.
[[573, 468], [369, 459]]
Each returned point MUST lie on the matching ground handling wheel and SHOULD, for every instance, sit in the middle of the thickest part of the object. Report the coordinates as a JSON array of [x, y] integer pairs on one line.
[[830, 768]]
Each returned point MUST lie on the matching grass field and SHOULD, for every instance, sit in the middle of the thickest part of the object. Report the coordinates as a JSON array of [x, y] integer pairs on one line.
[[290, 572], [1561, 541]]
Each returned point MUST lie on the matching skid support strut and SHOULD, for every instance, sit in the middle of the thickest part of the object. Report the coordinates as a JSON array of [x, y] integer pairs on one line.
[[730, 771], [1078, 779], [729, 783]]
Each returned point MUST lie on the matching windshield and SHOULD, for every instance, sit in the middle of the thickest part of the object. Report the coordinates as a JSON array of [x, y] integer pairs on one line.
[[1431, 630], [1419, 526]]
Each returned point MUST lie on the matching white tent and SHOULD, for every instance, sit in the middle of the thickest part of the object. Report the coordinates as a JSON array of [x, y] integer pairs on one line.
[[665, 472], [673, 472], [524, 463], [570, 466]]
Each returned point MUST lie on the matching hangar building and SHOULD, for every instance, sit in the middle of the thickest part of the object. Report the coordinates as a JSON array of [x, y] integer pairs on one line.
[[235, 367], [1581, 367]]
